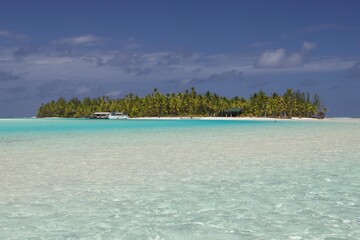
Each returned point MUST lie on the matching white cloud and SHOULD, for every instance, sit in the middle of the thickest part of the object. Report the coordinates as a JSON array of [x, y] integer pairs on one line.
[[309, 45], [82, 40], [10, 34], [312, 65], [279, 59]]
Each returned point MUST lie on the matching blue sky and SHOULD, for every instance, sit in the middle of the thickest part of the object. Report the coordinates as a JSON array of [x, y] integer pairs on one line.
[[68, 48]]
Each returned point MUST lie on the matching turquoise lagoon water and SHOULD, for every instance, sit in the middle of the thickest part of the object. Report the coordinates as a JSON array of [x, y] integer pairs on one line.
[[180, 179]]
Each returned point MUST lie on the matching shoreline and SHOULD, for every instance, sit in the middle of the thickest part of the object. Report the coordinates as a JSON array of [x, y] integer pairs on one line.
[[331, 119], [229, 118]]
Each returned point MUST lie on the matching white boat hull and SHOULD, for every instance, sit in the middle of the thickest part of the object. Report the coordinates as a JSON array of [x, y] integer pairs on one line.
[[109, 115], [118, 117]]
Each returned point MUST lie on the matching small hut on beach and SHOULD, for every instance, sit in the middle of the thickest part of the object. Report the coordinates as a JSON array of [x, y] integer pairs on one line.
[[232, 112]]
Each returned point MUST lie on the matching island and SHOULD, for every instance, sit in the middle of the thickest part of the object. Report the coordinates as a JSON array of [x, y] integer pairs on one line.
[[190, 103]]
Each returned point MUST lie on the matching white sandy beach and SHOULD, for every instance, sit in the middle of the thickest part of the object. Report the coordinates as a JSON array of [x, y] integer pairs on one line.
[[229, 118], [332, 119]]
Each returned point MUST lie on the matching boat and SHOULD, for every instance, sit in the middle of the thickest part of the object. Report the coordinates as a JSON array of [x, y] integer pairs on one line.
[[117, 116], [100, 115]]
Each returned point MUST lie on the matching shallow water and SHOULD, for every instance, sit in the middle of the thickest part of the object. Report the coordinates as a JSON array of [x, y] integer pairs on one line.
[[179, 179]]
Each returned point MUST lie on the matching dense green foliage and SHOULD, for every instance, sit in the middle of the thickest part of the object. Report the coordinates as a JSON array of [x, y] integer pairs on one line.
[[189, 103]]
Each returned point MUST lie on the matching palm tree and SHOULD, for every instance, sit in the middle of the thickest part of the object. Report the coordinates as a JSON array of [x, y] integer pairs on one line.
[[188, 103]]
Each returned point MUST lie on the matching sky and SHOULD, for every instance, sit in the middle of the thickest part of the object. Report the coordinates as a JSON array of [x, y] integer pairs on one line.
[[69, 48]]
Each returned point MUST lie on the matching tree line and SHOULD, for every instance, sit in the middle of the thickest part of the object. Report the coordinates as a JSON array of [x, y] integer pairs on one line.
[[190, 103]]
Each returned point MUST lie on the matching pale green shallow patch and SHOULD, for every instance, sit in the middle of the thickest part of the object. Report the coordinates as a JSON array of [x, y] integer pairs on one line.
[[90, 179]]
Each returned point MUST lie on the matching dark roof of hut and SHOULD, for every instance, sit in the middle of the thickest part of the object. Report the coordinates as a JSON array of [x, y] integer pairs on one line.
[[234, 110]]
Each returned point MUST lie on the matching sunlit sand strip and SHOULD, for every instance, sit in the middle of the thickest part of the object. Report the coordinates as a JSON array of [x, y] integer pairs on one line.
[[228, 118]]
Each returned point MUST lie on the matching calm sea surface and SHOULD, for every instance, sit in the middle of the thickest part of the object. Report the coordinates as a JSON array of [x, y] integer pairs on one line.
[[179, 179]]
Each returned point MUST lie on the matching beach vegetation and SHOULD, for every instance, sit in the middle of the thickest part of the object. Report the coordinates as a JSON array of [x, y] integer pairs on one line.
[[190, 103]]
